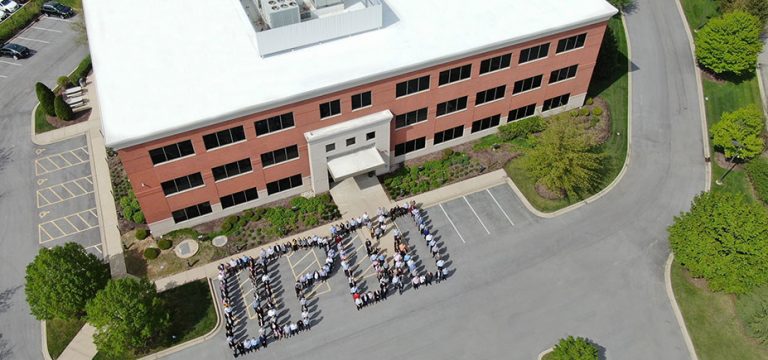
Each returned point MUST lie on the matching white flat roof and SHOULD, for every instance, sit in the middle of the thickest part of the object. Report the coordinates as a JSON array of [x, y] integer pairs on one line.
[[355, 163], [165, 67]]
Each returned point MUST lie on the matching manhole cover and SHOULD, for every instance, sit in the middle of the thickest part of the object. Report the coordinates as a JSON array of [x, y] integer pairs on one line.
[[219, 241], [186, 248]]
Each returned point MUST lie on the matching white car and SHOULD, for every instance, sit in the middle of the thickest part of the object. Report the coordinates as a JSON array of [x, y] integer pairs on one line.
[[9, 6]]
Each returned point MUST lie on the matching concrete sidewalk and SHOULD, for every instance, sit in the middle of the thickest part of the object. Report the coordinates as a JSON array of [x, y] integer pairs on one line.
[[355, 196], [762, 74], [82, 346]]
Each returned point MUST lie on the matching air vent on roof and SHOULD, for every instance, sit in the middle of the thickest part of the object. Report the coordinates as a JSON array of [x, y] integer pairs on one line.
[[280, 12], [275, 8]]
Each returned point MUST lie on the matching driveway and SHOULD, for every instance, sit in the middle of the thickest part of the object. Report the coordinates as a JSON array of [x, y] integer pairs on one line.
[[57, 53], [521, 282]]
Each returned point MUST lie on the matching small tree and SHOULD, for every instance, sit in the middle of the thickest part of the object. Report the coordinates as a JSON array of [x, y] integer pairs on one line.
[[758, 8], [564, 158], [45, 96], [737, 133], [63, 110], [621, 4], [571, 348], [59, 281], [730, 44], [724, 239], [128, 315]]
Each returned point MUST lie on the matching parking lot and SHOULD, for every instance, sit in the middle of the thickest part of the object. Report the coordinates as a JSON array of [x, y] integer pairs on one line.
[[41, 35], [64, 196]]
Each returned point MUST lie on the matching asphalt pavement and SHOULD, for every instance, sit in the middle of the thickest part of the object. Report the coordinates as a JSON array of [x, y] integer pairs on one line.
[[56, 53], [520, 283]]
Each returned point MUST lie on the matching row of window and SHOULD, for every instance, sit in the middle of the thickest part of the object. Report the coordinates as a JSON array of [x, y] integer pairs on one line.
[[236, 198], [350, 141], [364, 99]]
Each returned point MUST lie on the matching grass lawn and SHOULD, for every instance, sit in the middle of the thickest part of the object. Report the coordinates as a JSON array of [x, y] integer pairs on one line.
[[712, 321], [192, 315], [698, 12], [611, 88], [60, 333], [41, 124]]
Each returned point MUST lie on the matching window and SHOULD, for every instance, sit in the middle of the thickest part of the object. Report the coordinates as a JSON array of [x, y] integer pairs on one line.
[[275, 123], [410, 118], [371, 135], [182, 183], [450, 134], [490, 95], [284, 184], [239, 197], [409, 146], [555, 102], [279, 155], [452, 106], [562, 74], [495, 63], [330, 147], [455, 74], [170, 152], [521, 112], [486, 123], [191, 212], [533, 53], [232, 169], [330, 108], [224, 137], [412, 86], [361, 100], [527, 84], [571, 43], [351, 141]]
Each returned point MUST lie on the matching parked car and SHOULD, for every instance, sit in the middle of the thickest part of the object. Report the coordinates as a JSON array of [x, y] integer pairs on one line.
[[53, 8], [3, 15], [9, 6], [15, 51]]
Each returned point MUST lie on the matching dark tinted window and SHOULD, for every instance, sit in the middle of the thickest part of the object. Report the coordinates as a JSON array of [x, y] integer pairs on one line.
[[361, 100], [412, 86], [490, 95], [455, 74], [224, 137], [533, 53], [275, 123], [521, 112], [495, 63], [449, 134], [486, 123], [232, 169], [279, 155], [284, 184], [330, 108], [409, 146], [452, 106], [410, 118], [571, 43], [563, 74], [527, 84], [181, 183]]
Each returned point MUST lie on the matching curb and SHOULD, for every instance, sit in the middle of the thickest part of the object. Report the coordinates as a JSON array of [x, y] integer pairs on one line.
[[44, 337], [545, 352], [676, 307], [52, 136], [761, 86], [197, 340], [617, 179]]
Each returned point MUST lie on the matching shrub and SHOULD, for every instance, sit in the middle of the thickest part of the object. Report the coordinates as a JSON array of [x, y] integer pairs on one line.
[[521, 128], [248, 214], [574, 113], [584, 112], [730, 43], [62, 82], [229, 223], [757, 170], [128, 213], [572, 348], [138, 217], [46, 98], [164, 244], [752, 308], [81, 70], [151, 253], [589, 101], [597, 111], [62, 109], [141, 234], [18, 20], [447, 153]]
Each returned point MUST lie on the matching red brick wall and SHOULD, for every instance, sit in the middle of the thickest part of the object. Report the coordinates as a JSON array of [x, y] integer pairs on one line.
[[146, 178]]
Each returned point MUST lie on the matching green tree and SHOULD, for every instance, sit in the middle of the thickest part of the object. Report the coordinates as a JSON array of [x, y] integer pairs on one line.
[[758, 8], [128, 315], [62, 109], [61, 280], [737, 133], [724, 239], [565, 158], [45, 96], [572, 348], [730, 43], [621, 4]]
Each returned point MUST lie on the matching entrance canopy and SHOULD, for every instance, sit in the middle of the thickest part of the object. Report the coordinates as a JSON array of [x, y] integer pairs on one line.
[[355, 163]]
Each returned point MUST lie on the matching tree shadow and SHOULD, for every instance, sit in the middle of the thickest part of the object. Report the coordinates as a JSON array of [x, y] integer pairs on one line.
[[5, 298]]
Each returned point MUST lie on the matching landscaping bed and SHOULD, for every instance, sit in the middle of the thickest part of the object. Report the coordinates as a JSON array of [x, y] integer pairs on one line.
[[44, 122]]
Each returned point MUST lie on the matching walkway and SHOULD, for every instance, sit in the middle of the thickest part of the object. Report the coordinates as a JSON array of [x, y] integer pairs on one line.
[[82, 346], [357, 195]]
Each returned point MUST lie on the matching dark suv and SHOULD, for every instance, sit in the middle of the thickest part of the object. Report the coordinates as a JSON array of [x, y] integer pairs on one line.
[[53, 8], [15, 51]]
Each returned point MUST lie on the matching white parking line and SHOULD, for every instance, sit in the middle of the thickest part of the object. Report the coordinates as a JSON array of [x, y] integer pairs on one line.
[[10, 63], [500, 208], [28, 39], [3, 76], [46, 29], [477, 216], [57, 19], [452, 224]]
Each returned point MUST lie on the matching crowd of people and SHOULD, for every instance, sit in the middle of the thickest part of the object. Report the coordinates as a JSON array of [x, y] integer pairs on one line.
[[264, 304]]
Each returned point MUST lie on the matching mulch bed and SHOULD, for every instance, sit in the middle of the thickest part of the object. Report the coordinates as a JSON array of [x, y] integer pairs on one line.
[[80, 116]]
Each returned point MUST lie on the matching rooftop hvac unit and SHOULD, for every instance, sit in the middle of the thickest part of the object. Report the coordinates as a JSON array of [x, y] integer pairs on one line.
[[324, 3], [279, 13]]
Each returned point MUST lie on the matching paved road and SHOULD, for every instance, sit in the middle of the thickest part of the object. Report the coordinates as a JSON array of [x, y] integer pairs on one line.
[[595, 272], [57, 54]]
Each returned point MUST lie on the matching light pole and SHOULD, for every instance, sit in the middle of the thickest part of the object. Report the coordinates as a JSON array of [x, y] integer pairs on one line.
[[733, 162]]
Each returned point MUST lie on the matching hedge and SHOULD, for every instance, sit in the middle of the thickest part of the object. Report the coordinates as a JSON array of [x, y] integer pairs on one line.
[[757, 170], [62, 109], [81, 70], [151, 253], [521, 128], [20, 19]]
